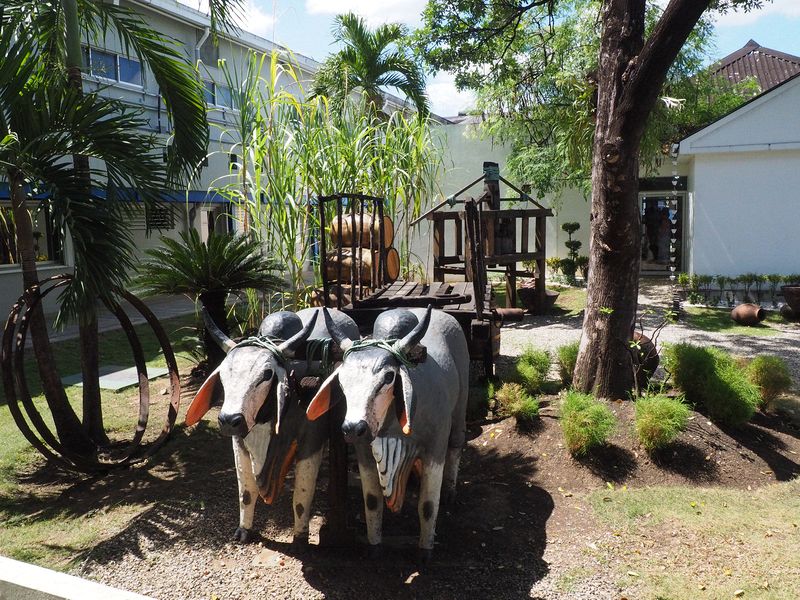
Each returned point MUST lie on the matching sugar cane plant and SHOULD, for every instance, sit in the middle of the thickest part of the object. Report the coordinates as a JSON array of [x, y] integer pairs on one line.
[[294, 151]]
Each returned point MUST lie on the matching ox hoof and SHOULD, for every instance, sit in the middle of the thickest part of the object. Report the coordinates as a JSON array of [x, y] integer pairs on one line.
[[299, 543], [242, 535], [374, 551], [424, 557]]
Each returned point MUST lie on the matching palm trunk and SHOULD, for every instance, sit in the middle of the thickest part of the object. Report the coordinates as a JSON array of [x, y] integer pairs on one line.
[[68, 427], [89, 342]]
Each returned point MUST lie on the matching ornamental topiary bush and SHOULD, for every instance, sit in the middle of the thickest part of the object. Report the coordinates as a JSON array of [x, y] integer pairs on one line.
[[710, 378], [659, 420], [532, 368], [771, 375], [567, 356], [586, 422]]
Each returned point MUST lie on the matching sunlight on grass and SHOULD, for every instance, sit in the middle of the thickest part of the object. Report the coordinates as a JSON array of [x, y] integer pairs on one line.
[[570, 303], [706, 542], [719, 320]]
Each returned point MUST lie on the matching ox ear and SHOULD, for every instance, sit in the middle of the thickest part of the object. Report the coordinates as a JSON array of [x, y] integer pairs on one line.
[[203, 399], [323, 399], [282, 392], [407, 404]]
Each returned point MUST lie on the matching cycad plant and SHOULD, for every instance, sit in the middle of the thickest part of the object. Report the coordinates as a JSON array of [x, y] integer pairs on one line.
[[208, 272]]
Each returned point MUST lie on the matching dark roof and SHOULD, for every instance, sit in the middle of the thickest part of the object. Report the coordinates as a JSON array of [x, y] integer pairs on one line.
[[768, 67]]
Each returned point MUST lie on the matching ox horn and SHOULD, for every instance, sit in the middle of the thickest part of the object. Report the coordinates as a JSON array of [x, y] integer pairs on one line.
[[415, 335], [337, 335], [290, 346], [224, 342]]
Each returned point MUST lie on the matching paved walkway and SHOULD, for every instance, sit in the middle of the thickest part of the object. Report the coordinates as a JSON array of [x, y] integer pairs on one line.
[[164, 307]]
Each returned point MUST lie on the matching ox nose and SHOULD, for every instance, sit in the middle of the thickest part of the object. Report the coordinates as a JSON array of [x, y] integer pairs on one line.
[[353, 431], [232, 424]]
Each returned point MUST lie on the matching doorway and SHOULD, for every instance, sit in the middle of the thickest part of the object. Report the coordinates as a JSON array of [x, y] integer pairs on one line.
[[662, 232]]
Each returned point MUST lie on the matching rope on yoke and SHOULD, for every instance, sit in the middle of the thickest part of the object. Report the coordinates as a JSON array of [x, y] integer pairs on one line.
[[387, 345]]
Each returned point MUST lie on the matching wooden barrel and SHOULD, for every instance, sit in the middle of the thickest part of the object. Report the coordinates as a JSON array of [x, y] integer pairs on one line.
[[367, 263], [371, 223]]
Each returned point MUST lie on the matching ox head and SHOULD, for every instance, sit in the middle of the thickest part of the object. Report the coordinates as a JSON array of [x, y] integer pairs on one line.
[[254, 380], [374, 378]]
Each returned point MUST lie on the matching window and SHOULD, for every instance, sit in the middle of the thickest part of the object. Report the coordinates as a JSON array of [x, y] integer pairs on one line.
[[218, 95], [209, 92], [160, 217], [45, 244], [116, 67], [130, 71]]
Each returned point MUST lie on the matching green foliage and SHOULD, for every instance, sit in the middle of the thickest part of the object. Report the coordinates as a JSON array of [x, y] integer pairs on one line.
[[514, 400], [570, 228], [554, 264], [226, 263], [295, 150], [771, 375], [540, 91], [567, 356], [532, 368], [711, 379], [582, 264], [368, 61], [585, 422], [659, 420]]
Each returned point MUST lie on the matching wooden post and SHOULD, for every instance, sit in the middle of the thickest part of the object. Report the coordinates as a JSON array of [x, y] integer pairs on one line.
[[511, 286], [438, 249], [541, 231]]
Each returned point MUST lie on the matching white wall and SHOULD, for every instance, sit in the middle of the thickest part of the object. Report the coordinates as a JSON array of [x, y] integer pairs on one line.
[[746, 210]]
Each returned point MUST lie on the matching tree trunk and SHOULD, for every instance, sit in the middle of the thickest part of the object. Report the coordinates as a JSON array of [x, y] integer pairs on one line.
[[214, 303], [632, 73], [68, 427], [604, 360], [90, 369], [89, 342]]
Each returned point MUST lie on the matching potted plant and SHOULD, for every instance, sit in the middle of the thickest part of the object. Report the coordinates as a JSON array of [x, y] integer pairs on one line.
[[791, 291]]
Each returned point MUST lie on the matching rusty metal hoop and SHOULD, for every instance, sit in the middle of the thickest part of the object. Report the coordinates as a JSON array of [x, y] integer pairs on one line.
[[14, 380]]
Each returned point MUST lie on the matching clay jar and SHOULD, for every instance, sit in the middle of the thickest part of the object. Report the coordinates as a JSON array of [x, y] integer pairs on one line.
[[748, 314]]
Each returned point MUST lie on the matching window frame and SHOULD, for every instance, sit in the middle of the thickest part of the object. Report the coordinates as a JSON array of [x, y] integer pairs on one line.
[[90, 50]]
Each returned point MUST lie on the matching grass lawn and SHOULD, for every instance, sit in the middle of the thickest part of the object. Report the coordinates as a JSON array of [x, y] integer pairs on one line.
[[719, 541], [30, 529], [719, 320], [570, 303]]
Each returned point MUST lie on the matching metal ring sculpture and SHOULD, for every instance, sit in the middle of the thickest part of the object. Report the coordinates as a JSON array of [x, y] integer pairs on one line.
[[16, 386]]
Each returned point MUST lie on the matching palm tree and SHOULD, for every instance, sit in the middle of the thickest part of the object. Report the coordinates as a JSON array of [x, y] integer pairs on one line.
[[208, 272], [369, 61], [50, 57]]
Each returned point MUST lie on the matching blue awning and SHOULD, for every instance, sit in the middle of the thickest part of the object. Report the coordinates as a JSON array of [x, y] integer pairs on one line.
[[174, 197]]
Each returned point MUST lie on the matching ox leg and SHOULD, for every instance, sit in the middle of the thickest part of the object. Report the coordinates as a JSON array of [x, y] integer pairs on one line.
[[248, 491], [450, 475], [373, 497], [428, 508], [305, 483]]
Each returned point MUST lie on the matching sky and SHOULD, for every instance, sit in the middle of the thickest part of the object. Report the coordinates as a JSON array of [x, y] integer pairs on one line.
[[304, 26]]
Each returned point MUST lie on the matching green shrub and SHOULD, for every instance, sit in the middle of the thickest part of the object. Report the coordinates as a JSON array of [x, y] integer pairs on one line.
[[586, 422], [514, 400], [712, 379], [532, 368], [659, 420], [771, 375], [567, 356]]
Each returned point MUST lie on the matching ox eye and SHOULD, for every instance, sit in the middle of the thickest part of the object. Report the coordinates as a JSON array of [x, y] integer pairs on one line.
[[388, 377], [268, 375]]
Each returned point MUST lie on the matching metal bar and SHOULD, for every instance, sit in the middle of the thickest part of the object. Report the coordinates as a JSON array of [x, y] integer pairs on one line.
[[355, 260], [382, 279], [323, 255], [339, 253], [361, 249], [446, 201]]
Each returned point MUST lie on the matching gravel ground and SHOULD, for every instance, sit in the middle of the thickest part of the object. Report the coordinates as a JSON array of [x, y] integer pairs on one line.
[[551, 332]]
